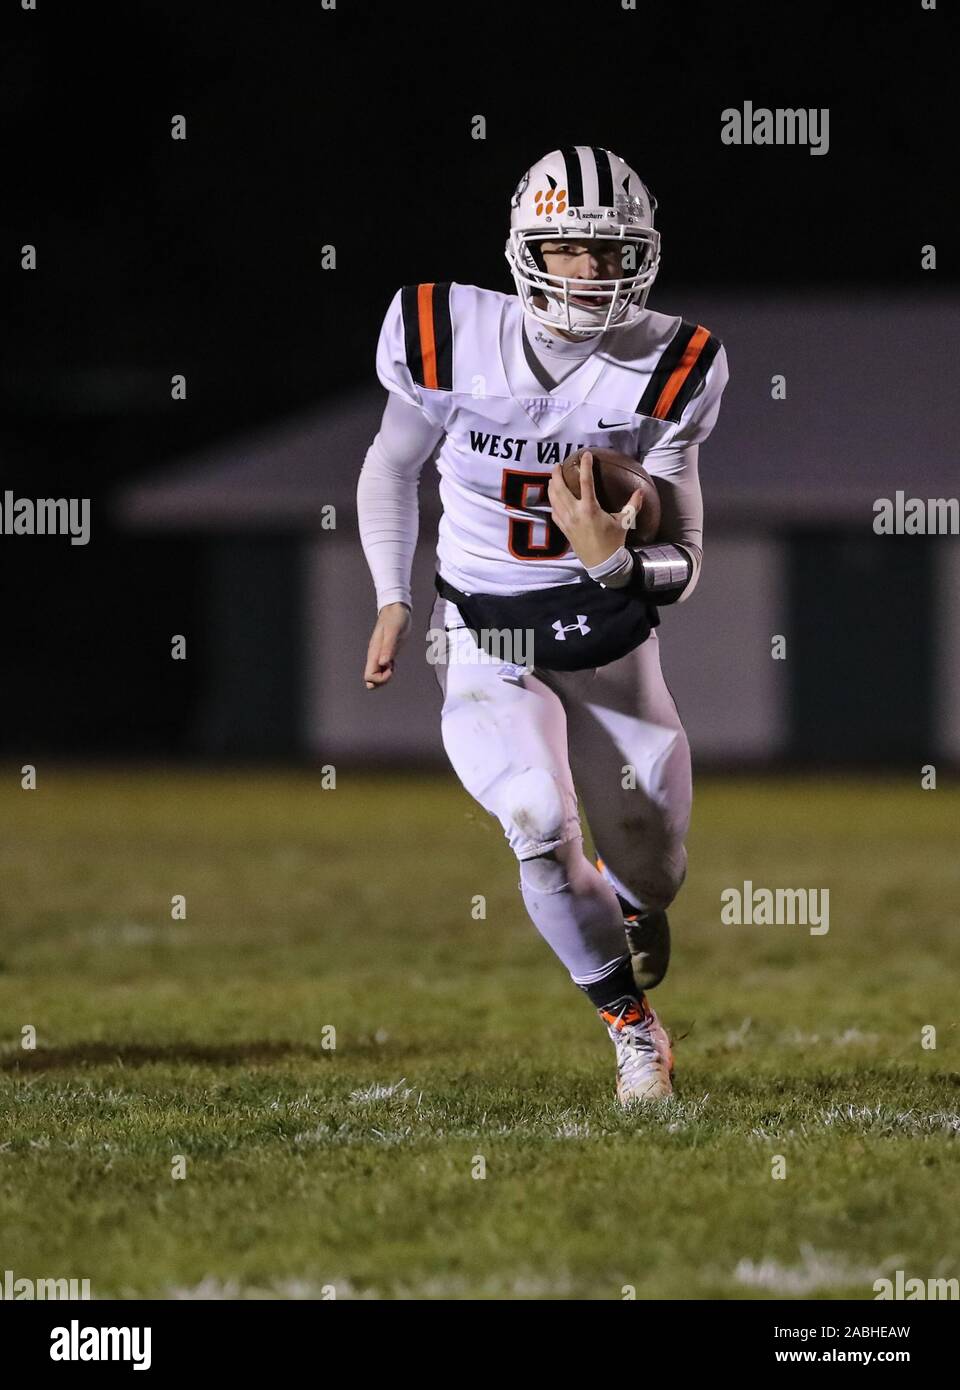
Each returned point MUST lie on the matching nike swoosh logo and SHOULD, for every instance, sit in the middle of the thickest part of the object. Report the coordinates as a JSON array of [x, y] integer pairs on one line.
[[614, 425]]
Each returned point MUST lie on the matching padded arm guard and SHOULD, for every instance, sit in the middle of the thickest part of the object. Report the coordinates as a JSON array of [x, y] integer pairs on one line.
[[659, 573]]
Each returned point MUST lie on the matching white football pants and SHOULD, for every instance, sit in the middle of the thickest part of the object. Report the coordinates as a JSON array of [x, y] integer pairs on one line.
[[524, 744]]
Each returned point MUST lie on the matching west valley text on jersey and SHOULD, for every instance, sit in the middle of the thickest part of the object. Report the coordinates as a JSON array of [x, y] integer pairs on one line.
[[548, 451]]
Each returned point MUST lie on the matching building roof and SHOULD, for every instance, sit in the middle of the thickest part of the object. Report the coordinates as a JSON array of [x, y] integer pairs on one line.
[[871, 407]]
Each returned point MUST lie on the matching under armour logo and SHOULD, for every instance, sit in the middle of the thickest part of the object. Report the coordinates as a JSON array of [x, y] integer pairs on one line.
[[581, 626]]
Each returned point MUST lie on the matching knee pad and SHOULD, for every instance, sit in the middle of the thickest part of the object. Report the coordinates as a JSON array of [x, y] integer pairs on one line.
[[546, 873], [648, 936], [534, 809]]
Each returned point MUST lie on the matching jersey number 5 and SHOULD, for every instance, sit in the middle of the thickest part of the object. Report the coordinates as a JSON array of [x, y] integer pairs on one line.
[[514, 492]]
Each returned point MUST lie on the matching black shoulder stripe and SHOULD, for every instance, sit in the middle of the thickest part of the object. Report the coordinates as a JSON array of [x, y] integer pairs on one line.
[[411, 330], [428, 335], [670, 360], [694, 378], [682, 367], [443, 336]]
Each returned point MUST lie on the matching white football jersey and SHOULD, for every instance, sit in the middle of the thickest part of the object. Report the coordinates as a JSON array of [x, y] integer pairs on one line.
[[457, 352]]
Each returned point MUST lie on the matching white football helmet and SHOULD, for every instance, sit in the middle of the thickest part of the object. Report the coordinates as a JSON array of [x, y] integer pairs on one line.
[[582, 193]]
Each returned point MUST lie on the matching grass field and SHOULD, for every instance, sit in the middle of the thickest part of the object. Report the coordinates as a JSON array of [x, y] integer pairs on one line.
[[458, 1040]]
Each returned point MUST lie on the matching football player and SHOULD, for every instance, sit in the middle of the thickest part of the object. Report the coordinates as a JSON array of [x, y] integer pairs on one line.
[[500, 389]]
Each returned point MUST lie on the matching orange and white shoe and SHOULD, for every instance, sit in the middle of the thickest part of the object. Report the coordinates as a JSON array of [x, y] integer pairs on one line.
[[644, 1056]]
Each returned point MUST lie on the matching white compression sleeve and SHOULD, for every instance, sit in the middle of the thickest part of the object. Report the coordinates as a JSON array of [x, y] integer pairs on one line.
[[388, 512], [678, 483]]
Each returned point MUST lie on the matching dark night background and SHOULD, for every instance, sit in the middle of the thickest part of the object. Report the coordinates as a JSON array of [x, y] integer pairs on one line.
[[353, 127]]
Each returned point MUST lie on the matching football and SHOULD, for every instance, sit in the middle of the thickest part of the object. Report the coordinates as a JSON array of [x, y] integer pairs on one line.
[[616, 477]]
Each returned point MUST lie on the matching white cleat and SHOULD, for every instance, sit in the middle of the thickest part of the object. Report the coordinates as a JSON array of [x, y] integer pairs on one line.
[[644, 1057]]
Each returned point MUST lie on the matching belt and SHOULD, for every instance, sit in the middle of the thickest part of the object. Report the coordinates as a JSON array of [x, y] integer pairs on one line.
[[446, 590]]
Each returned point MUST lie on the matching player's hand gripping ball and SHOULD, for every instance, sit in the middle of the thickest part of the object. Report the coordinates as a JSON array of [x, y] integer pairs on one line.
[[616, 477], [628, 514]]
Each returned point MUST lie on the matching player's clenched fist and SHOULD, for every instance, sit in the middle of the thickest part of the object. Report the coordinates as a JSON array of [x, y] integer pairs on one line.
[[393, 624]]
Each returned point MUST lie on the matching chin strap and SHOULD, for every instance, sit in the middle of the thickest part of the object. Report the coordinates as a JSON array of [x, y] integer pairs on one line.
[[558, 319]]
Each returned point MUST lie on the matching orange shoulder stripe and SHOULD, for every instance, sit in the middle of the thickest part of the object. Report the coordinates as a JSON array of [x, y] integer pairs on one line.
[[680, 373], [428, 347]]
